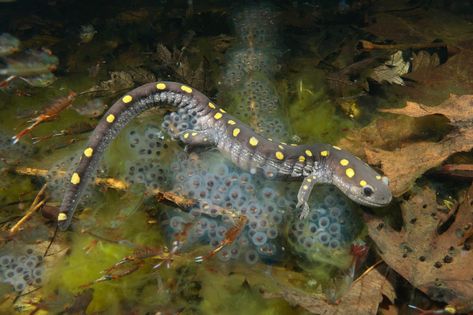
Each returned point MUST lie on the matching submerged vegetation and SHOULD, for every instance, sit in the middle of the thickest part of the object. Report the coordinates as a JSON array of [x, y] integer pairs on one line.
[[164, 228]]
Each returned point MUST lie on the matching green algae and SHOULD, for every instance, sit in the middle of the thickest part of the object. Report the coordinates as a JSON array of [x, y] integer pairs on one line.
[[119, 216], [233, 295], [312, 113], [89, 256]]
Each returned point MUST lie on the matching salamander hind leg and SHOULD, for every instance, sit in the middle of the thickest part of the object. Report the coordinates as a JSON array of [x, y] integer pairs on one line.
[[304, 194], [195, 138]]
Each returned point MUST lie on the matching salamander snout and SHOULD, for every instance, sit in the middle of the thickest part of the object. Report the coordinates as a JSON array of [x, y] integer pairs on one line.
[[359, 181]]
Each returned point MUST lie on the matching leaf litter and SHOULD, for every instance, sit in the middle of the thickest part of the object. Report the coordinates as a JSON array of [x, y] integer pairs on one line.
[[432, 250], [363, 297], [407, 163]]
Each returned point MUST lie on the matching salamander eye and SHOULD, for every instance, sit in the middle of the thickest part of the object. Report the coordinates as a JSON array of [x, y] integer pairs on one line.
[[368, 190]]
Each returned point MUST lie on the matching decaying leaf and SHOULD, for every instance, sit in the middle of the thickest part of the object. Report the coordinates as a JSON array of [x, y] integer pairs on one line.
[[438, 264], [423, 60], [456, 108], [402, 159], [363, 297], [381, 133], [392, 70], [341, 81], [178, 63], [453, 76], [141, 75], [403, 166], [81, 302], [119, 81]]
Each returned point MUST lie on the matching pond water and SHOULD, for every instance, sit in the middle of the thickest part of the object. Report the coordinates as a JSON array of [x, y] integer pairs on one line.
[[168, 228]]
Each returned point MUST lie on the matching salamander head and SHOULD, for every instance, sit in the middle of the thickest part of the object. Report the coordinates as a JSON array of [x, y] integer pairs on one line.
[[358, 181]]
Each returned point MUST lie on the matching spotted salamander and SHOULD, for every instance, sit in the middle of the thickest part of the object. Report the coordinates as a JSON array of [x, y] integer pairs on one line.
[[318, 163]]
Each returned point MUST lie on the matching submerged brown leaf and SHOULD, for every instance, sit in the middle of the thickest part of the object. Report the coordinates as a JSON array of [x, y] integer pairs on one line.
[[437, 263], [423, 60], [405, 164], [381, 133], [119, 81], [456, 108], [363, 297]]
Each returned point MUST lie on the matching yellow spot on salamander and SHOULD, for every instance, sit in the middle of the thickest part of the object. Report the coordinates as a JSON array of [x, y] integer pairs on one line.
[[269, 139], [309, 180], [350, 172], [62, 217], [305, 187], [231, 122], [218, 115], [378, 177], [222, 110], [75, 179], [308, 152], [211, 105], [301, 158], [160, 86], [127, 99], [293, 145], [450, 309], [324, 153], [186, 135], [281, 147], [344, 162], [88, 152], [279, 155], [337, 148], [194, 134], [363, 183], [236, 131], [253, 141], [110, 118], [186, 89]]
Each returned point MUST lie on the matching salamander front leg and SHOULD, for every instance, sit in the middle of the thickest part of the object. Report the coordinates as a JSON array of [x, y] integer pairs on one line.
[[194, 138], [304, 194]]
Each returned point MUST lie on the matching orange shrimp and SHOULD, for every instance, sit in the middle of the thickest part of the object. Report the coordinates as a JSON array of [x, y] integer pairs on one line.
[[230, 237], [48, 113]]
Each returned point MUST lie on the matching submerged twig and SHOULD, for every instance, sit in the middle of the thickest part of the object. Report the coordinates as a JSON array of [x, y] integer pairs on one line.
[[108, 182], [33, 208], [367, 46], [462, 171], [376, 264]]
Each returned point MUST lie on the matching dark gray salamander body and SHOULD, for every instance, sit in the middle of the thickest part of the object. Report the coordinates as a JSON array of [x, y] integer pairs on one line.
[[318, 163]]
